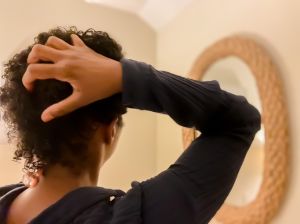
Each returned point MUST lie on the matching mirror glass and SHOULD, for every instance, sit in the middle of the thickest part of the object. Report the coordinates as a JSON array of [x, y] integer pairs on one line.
[[235, 76]]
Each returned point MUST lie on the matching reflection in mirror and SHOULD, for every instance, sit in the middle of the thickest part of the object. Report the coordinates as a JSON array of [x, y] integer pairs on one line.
[[236, 77]]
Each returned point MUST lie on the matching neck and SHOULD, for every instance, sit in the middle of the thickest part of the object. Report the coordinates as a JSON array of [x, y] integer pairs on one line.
[[58, 182], [63, 180]]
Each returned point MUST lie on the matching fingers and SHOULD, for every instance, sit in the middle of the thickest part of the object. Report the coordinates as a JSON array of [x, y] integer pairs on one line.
[[60, 44], [57, 43], [77, 41], [61, 108], [38, 71], [41, 52]]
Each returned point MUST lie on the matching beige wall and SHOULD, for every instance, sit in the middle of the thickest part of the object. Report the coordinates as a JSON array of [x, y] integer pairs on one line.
[[21, 20], [275, 24]]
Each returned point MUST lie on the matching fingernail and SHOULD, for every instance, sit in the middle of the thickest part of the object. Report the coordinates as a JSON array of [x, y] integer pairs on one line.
[[29, 88], [47, 117]]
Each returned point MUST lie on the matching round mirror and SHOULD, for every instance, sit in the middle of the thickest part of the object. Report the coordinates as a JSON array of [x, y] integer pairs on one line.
[[243, 67], [236, 77]]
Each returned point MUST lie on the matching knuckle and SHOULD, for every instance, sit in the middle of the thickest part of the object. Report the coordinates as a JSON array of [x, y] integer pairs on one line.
[[65, 68], [30, 69], [67, 64], [64, 65], [70, 56]]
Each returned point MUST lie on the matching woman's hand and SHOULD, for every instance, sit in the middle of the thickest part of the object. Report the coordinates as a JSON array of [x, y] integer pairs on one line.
[[92, 76]]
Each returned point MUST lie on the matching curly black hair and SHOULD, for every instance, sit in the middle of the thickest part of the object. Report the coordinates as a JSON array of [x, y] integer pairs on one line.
[[64, 140]]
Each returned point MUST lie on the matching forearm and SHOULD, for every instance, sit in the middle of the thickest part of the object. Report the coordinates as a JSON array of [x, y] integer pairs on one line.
[[190, 103]]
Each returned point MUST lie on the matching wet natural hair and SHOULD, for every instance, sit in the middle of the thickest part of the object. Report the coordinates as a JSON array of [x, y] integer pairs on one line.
[[63, 140]]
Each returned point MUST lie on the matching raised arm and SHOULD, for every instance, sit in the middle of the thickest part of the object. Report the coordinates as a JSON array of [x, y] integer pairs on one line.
[[196, 185], [191, 103]]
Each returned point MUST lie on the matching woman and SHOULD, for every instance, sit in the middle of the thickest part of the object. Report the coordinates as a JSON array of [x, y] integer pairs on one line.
[[81, 85]]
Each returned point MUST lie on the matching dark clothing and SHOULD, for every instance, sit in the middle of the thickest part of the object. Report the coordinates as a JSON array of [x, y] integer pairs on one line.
[[192, 189]]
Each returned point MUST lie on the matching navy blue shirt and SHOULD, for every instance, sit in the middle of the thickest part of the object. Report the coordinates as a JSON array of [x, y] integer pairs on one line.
[[192, 189]]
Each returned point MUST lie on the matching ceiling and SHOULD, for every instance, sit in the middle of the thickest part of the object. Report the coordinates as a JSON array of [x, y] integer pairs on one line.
[[157, 13]]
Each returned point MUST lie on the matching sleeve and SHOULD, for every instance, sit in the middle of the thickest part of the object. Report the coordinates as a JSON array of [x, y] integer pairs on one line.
[[8, 188], [193, 188]]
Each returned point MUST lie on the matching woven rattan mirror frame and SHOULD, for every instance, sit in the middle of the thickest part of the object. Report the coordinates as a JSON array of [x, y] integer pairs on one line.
[[274, 116]]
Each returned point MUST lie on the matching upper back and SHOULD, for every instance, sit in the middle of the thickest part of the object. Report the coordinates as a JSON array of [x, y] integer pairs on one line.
[[83, 205]]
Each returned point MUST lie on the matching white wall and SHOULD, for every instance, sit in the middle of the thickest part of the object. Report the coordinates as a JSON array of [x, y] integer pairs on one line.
[[273, 23], [21, 20]]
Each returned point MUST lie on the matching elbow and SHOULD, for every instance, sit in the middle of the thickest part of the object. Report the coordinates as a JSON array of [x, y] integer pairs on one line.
[[255, 118], [249, 116], [245, 115]]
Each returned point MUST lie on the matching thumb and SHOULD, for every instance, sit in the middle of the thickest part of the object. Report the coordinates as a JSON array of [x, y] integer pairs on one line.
[[77, 41], [61, 108]]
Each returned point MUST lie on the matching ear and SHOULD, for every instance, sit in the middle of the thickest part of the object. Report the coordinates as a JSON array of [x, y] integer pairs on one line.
[[110, 132]]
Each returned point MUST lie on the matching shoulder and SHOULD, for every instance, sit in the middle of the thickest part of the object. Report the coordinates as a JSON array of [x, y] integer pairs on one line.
[[7, 195], [127, 208]]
